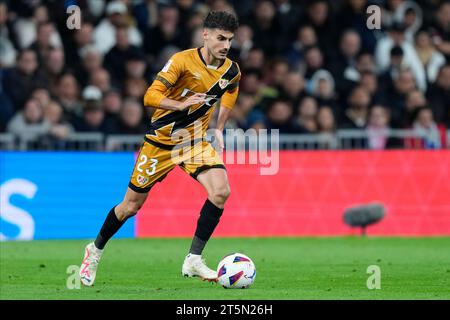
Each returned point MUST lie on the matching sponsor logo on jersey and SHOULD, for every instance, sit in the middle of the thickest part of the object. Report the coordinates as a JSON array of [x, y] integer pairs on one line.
[[223, 83], [141, 179]]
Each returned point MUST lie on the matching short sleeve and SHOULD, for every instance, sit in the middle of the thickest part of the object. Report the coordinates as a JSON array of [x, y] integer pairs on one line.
[[171, 72]]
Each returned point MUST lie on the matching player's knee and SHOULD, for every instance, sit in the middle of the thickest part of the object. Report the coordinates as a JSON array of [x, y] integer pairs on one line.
[[220, 195], [133, 207], [129, 209]]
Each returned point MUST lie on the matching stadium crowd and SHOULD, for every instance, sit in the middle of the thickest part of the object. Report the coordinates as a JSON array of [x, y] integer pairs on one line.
[[307, 66]]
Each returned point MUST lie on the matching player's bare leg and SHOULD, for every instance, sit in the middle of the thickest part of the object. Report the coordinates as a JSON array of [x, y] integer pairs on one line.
[[215, 181], [129, 206]]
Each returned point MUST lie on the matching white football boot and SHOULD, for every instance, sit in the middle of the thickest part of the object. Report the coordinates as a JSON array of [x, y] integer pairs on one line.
[[88, 268], [195, 266]]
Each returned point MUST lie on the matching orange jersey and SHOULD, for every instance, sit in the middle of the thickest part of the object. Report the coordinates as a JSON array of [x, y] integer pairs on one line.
[[185, 74]]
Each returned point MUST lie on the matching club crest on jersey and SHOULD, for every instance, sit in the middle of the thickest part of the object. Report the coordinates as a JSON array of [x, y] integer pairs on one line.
[[223, 83], [141, 179]]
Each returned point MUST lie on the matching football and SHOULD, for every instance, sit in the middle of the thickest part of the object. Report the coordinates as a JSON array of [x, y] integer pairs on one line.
[[236, 270]]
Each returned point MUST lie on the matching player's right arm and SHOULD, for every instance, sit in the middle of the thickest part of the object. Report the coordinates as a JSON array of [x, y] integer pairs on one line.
[[156, 95]]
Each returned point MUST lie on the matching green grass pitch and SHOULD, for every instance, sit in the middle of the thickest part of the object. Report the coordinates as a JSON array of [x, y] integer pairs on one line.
[[287, 268]]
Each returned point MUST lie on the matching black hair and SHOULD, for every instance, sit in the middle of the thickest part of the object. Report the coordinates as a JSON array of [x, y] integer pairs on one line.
[[221, 20], [419, 109], [396, 51]]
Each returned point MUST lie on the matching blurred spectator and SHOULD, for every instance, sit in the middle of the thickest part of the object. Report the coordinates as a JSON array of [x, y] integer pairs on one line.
[[22, 79], [321, 86], [306, 115], [326, 121], [116, 59], [67, 93], [306, 37], [326, 127], [353, 74], [135, 88], [81, 38], [389, 10], [356, 113], [287, 14], [242, 43], [353, 16], [197, 40], [365, 62], [186, 9], [135, 67], [266, 28], [292, 87], [345, 59], [318, 15], [105, 32], [54, 67], [279, 116], [314, 61], [93, 117], [92, 60], [59, 128], [255, 59], [431, 58], [29, 123], [434, 135], [369, 81], [47, 39], [276, 76], [378, 129], [414, 100], [42, 95], [241, 115], [131, 117], [395, 66], [165, 32], [146, 14], [220, 5], [7, 51], [195, 20], [26, 27], [101, 79], [409, 13], [396, 95], [112, 104], [396, 38], [252, 84], [439, 95], [441, 28]]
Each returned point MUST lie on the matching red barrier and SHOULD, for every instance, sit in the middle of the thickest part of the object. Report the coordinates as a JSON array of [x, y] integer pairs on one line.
[[309, 194]]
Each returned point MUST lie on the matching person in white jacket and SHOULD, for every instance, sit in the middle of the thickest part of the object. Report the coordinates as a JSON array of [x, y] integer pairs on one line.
[[105, 33], [411, 14], [430, 57], [396, 37]]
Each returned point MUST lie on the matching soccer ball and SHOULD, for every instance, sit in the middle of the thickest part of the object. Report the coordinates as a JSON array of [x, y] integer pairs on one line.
[[236, 271]]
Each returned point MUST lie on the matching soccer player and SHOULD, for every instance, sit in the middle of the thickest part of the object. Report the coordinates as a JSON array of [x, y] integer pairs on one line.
[[184, 94]]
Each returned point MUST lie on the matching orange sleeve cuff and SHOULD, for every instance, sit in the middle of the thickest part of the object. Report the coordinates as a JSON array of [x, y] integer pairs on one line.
[[155, 94]]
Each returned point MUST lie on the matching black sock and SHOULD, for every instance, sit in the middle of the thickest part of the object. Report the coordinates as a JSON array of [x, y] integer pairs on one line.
[[109, 228], [206, 223]]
